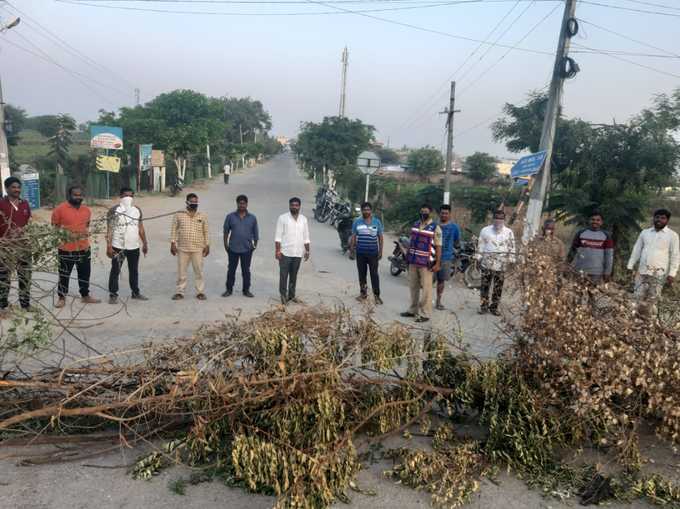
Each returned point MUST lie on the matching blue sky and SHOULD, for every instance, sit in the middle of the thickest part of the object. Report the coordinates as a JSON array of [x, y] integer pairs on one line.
[[292, 63]]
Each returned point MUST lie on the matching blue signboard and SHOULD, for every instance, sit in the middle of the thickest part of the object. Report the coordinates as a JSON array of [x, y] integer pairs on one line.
[[30, 189], [145, 156], [528, 165]]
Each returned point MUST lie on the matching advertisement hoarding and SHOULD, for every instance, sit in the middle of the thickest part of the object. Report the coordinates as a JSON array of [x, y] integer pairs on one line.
[[106, 137]]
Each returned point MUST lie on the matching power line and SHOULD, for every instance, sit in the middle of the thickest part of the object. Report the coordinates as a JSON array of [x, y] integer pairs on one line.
[[624, 53], [531, 31], [630, 9], [631, 62], [59, 41], [427, 105], [627, 37], [652, 4], [292, 2], [51, 61], [224, 13]]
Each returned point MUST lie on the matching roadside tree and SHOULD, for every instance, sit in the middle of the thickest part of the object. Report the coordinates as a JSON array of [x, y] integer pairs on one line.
[[480, 167], [425, 162]]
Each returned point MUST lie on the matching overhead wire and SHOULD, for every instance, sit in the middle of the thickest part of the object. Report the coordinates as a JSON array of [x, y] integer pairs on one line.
[[48, 34], [57, 64], [520, 41], [630, 9], [427, 105], [631, 62], [256, 14], [627, 37]]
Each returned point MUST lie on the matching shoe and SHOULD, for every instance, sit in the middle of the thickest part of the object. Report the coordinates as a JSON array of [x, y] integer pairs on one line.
[[139, 296], [177, 296], [227, 293], [440, 307], [378, 300], [113, 299], [28, 309], [422, 319], [284, 300], [60, 303], [362, 297], [495, 312], [295, 300], [201, 296], [483, 311], [4, 313], [248, 294], [89, 300], [408, 314]]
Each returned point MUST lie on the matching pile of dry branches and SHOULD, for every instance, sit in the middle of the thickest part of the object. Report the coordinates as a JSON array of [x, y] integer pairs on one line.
[[281, 403]]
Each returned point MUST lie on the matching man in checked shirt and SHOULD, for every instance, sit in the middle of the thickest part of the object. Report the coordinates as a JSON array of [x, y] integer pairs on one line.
[[189, 241]]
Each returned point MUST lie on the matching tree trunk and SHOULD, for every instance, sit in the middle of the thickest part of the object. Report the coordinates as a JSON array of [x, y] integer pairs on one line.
[[181, 164]]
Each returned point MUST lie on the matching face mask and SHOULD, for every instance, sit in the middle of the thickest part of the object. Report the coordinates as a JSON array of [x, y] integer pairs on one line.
[[498, 223], [424, 216], [192, 206], [126, 202], [75, 201]]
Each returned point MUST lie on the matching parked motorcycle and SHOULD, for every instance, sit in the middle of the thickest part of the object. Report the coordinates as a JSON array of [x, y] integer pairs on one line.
[[398, 259], [176, 187], [466, 264], [345, 232]]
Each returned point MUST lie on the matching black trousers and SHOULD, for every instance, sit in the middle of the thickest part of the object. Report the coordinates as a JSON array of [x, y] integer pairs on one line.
[[234, 259], [288, 271], [489, 277], [366, 263], [83, 263], [23, 268], [226, 178], [119, 256]]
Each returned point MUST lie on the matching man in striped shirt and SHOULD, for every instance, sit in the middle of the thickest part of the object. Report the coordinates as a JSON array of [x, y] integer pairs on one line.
[[367, 238], [592, 251]]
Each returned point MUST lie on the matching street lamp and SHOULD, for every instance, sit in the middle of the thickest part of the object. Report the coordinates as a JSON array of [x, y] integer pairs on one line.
[[368, 163], [12, 23]]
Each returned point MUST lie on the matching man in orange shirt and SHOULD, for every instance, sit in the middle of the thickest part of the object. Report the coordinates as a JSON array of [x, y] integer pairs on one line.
[[74, 217]]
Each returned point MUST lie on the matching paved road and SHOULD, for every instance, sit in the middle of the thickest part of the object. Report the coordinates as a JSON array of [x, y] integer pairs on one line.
[[327, 279]]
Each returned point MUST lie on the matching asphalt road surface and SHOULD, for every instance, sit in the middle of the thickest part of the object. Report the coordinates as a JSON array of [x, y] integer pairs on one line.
[[328, 279]]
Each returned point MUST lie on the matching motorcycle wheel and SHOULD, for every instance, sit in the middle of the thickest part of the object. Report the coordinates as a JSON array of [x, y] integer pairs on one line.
[[321, 215], [395, 269], [473, 276]]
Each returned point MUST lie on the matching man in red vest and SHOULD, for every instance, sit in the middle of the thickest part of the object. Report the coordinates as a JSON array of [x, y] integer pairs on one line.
[[424, 259]]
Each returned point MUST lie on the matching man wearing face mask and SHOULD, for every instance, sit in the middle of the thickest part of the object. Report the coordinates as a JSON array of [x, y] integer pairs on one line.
[[124, 232], [74, 217], [291, 243], [190, 242], [549, 244], [424, 260], [495, 249]]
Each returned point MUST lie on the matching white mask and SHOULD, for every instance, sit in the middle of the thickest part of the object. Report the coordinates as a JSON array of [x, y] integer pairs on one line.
[[126, 202]]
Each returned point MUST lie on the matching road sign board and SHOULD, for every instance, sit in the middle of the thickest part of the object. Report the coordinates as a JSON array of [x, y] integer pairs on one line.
[[528, 165], [30, 189], [368, 162]]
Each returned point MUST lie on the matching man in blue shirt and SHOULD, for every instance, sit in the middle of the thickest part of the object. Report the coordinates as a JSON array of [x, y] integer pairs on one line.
[[367, 238], [241, 235], [450, 242]]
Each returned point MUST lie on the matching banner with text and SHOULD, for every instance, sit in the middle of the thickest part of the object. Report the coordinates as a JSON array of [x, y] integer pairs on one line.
[[106, 137], [108, 163], [145, 152]]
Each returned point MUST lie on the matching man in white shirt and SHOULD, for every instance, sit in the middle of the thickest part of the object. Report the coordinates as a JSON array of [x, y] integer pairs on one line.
[[658, 251], [495, 249], [291, 242], [227, 172], [124, 232]]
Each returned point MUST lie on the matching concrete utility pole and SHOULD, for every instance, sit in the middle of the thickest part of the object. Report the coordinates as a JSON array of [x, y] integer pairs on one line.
[[343, 86], [207, 154], [4, 146], [542, 179], [449, 112], [137, 101]]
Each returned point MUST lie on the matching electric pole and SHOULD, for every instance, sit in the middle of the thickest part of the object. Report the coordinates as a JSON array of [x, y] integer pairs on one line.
[[4, 146], [563, 68], [137, 102], [449, 112], [343, 86]]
